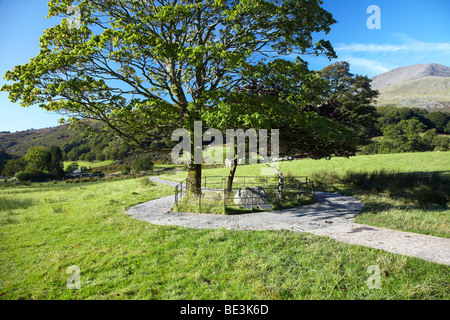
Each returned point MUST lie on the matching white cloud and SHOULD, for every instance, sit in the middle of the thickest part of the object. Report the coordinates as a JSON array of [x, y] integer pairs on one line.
[[376, 58], [411, 46], [369, 66], [372, 48]]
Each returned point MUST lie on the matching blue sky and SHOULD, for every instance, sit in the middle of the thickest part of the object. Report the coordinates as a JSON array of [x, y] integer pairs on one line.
[[412, 32]]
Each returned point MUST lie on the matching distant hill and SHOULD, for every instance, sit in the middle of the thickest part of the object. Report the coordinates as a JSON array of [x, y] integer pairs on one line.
[[19, 142], [425, 86], [104, 145]]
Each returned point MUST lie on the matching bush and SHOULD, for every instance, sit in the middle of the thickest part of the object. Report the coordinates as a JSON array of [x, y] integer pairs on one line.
[[371, 148], [23, 176], [147, 182], [98, 173], [126, 169], [35, 176], [143, 164], [441, 143]]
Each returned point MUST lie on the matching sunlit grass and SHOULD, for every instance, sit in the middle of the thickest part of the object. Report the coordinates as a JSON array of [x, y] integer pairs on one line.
[[51, 227], [403, 162], [89, 164]]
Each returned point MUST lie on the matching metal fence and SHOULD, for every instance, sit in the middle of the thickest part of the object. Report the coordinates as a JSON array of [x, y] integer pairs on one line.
[[248, 193]]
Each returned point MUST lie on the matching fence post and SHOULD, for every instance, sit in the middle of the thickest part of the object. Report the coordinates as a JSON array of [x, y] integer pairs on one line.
[[176, 194], [187, 193], [280, 185], [200, 196], [223, 188]]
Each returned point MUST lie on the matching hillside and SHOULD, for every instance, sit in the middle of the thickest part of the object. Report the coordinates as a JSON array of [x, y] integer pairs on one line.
[[423, 86], [75, 145], [404, 74], [432, 93], [19, 142]]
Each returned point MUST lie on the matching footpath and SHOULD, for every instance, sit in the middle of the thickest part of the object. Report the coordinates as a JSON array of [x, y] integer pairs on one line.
[[332, 216]]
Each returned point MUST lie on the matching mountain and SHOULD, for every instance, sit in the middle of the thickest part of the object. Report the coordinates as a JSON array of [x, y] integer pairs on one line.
[[424, 86], [408, 73]]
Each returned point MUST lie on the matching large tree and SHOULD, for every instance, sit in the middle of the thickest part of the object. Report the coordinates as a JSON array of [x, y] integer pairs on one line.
[[278, 95], [140, 64]]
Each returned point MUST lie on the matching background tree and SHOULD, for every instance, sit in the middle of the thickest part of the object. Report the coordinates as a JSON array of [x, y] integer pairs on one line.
[[389, 115], [13, 166], [143, 164], [402, 137], [71, 168], [4, 157], [438, 120], [37, 158], [349, 100], [56, 163], [141, 65]]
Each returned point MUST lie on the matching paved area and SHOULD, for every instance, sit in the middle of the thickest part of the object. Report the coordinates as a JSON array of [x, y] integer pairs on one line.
[[434, 249], [331, 216]]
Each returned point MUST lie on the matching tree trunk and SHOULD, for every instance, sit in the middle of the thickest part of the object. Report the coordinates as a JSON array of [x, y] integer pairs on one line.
[[231, 175], [194, 178], [232, 171]]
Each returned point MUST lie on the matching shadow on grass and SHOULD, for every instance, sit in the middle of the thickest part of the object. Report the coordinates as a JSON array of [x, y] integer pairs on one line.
[[376, 206], [426, 190]]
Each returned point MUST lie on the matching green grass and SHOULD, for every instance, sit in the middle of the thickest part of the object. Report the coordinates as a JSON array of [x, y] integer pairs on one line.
[[406, 201], [383, 208], [88, 164], [46, 229], [404, 162], [391, 213]]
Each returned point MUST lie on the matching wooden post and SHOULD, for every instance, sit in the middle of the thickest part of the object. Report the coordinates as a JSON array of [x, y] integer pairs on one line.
[[176, 194], [280, 185], [200, 196], [200, 200], [223, 188]]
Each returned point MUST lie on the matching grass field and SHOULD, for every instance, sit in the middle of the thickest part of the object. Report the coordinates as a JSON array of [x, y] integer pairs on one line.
[[404, 162], [47, 228], [381, 209], [88, 164]]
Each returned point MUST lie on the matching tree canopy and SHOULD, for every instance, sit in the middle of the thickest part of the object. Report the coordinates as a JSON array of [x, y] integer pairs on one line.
[[138, 65]]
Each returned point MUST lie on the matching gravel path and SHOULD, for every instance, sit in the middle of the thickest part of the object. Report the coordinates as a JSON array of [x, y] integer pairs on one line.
[[331, 216]]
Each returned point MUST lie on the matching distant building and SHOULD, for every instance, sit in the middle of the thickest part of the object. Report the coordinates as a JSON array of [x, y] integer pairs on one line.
[[77, 173]]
